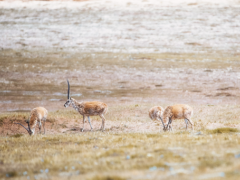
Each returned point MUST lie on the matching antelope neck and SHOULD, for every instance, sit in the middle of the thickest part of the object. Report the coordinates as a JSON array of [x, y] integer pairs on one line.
[[74, 105]]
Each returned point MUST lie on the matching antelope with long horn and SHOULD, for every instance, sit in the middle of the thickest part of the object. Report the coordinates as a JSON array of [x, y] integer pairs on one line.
[[92, 108], [37, 115], [155, 113], [178, 111]]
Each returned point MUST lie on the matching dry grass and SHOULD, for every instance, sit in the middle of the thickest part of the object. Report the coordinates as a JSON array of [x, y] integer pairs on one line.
[[97, 155], [106, 178], [223, 130], [131, 145]]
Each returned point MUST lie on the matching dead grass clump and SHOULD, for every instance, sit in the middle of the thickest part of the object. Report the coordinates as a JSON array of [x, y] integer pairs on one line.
[[11, 174], [12, 117], [223, 130], [130, 145], [52, 139], [171, 157], [212, 164], [147, 165], [229, 155], [107, 178], [62, 125], [153, 135], [4, 147], [51, 120], [183, 132], [1, 121], [113, 152], [16, 135]]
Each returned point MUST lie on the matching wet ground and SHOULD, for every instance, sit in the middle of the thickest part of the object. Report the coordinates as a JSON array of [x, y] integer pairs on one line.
[[117, 52], [29, 82]]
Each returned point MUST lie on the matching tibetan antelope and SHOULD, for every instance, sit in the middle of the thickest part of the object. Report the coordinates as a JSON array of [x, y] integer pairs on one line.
[[37, 115], [92, 108], [155, 113], [178, 111]]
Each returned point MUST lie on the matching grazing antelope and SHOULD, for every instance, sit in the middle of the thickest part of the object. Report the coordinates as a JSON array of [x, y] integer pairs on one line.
[[178, 111], [37, 115], [155, 113], [92, 108]]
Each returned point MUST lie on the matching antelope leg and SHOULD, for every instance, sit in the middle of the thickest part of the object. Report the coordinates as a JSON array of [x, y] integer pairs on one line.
[[89, 120]]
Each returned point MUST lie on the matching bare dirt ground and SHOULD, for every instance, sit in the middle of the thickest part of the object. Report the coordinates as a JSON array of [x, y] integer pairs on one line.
[[131, 55]]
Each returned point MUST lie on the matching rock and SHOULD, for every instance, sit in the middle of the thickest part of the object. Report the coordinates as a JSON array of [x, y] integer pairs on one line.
[[154, 168]]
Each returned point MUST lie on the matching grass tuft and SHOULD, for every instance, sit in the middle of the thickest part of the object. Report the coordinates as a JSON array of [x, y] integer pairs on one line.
[[16, 135], [223, 130], [1, 121], [51, 120], [11, 174], [107, 178]]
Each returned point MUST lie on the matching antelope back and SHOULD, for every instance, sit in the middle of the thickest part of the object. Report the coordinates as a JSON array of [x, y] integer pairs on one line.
[[94, 108], [182, 111], [37, 114]]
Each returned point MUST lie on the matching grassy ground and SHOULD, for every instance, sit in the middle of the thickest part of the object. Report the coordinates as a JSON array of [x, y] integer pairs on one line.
[[131, 147], [133, 57], [109, 155]]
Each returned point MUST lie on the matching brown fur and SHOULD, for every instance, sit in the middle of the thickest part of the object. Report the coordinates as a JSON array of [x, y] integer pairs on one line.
[[155, 113], [93, 108], [37, 115], [178, 111]]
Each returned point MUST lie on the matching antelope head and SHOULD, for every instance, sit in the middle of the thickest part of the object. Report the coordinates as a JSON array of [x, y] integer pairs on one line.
[[165, 128], [30, 132], [69, 101]]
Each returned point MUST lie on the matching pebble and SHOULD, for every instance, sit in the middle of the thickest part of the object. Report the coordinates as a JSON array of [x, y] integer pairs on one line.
[[154, 168], [237, 155]]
